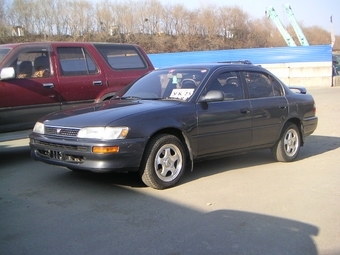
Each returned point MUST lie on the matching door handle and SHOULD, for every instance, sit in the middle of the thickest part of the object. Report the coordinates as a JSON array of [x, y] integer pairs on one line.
[[48, 85], [282, 107], [245, 110], [97, 83]]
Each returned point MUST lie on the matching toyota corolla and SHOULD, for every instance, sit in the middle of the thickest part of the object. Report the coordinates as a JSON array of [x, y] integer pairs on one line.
[[170, 118]]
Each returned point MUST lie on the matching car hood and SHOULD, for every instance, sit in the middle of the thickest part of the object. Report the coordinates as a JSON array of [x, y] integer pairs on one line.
[[102, 114]]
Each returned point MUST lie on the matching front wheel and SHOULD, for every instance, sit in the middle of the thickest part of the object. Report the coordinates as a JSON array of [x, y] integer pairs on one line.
[[288, 147], [163, 162]]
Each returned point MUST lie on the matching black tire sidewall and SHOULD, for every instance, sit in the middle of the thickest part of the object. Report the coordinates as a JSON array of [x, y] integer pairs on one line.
[[147, 170], [279, 151]]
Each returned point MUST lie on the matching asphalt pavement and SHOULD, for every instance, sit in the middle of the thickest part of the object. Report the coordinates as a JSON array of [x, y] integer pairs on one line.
[[245, 204]]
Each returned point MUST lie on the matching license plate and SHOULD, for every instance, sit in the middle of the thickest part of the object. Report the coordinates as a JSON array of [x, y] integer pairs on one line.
[[55, 154]]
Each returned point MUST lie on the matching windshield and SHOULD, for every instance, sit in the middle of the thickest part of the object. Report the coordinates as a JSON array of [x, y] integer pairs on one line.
[[178, 84], [3, 53]]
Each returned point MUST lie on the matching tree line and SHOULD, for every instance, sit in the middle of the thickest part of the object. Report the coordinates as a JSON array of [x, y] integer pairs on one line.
[[156, 27]]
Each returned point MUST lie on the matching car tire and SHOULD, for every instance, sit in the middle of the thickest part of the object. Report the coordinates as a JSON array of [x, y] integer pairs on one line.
[[163, 162], [288, 147]]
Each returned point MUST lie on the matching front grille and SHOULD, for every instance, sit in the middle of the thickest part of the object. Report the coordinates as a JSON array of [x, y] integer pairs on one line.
[[57, 146], [61, 131]]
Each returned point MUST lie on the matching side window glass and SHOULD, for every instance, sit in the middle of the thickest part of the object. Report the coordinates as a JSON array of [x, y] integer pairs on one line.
[[259, 85], [31, 64], [229, 83], [121, 57], [3, 53], [75, 61], [277, 88]]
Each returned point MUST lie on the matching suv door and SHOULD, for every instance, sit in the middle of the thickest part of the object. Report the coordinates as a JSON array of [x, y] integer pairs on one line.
[[32, 93], [269, 106], [225, 125], [80, 78]]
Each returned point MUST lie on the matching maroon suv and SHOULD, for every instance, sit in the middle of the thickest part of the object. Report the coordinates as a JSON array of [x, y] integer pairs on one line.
[[39, 78]]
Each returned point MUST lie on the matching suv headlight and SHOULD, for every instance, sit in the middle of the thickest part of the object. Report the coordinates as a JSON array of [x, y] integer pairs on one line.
[[104, 133], [39, 128]]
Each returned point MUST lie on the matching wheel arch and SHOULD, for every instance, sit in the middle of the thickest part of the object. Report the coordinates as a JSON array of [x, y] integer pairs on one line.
[[104, 97], [180, 135], [299, 125]]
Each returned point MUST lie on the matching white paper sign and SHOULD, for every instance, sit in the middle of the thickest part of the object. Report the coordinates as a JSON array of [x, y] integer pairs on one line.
[[182, 94]]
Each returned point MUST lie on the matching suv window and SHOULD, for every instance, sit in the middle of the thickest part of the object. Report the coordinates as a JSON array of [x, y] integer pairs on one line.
[[31, 63], [3, 53], [75, 61], [262, 85], [121, 57], [230, 84]]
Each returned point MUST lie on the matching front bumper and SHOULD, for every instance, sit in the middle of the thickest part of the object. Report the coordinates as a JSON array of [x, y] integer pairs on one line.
[[77, 154]]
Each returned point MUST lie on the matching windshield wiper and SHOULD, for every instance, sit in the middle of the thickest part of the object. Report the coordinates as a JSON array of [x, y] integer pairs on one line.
[[130, 97], [140, 98]]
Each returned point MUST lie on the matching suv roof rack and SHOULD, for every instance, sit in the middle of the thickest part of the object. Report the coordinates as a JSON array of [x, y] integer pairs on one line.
[[245, 62]]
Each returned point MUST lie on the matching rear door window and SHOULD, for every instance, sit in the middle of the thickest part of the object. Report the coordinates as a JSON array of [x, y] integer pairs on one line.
[[75, 61], [261, 85]]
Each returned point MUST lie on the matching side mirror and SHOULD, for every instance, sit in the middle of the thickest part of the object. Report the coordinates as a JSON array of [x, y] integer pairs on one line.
[[212, 96], [7, 73]]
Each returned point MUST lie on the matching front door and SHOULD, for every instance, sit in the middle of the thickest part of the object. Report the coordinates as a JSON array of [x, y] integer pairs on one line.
[[226, 125], [32, 94]]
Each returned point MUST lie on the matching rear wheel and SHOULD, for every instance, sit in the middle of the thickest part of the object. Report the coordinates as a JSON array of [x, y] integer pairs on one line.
[[163, 163], [288, 147]]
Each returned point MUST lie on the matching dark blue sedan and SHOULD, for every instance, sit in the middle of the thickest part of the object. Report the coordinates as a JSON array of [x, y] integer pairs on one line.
[[170, 118]]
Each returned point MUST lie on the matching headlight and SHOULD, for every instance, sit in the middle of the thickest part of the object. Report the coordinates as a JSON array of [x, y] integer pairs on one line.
[[39, 128], [105, 133]]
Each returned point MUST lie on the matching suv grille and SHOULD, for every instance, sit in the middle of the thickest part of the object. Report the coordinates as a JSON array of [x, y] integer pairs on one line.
[[61, 131]]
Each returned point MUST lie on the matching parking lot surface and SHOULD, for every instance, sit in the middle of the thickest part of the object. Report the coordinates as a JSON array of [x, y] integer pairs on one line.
[[245, 204]]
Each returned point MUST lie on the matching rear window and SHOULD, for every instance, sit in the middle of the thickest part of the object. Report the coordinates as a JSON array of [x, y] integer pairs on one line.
[[121, 56], [3, 53]]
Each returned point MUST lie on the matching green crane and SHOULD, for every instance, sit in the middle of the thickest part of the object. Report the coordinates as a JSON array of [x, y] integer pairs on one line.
[[271, 13], [298, 31]]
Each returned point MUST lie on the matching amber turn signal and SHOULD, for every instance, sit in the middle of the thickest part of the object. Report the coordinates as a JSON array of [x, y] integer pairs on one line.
[[105, 149]]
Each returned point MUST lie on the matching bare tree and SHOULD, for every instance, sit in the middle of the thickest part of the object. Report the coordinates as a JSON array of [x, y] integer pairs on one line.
[[2, 18], [21, 13], [59, 17], [42, 12], [81, 17], [317, 35], [157, 27], [105, 17]]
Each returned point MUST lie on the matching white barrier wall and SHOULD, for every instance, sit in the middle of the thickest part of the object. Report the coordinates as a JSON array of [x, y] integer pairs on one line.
[[307, 74]]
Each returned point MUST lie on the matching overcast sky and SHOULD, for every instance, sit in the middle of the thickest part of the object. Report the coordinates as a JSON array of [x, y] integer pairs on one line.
[[308, 12]]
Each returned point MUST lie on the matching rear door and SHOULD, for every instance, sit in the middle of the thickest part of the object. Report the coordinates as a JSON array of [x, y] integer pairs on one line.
[[226, 125], [81, 78], [29, 95], [269, 106]]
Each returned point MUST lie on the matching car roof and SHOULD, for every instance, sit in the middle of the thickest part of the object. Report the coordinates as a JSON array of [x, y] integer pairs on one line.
[[63, 43], [216, 65]]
